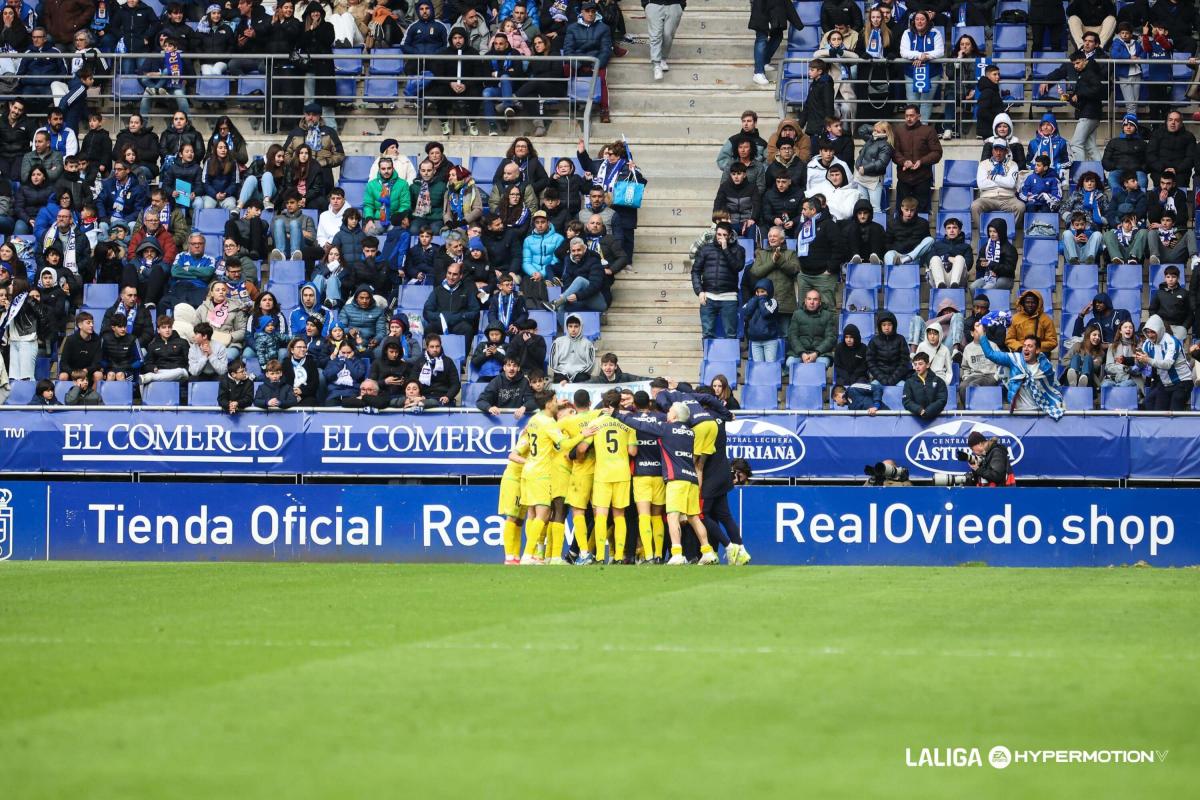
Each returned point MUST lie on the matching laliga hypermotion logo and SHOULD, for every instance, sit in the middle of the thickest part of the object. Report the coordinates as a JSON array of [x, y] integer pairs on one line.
[[768, 447], [6, 524], [934, 448]]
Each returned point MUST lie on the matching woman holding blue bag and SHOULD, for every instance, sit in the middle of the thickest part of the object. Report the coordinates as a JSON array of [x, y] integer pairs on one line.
[[623, 184]]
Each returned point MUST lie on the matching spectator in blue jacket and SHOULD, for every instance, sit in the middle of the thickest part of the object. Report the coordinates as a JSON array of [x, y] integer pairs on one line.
[[38, 74], [589, 36], [762, 322], [1041, 190], [1128, 197], [122, 197], [538, 256], [363, 318], [343, 374]]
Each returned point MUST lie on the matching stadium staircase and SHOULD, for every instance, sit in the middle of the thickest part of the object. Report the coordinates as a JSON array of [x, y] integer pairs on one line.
[[675, 128]]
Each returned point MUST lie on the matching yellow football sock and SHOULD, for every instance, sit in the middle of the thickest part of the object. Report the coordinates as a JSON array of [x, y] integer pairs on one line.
[[676, 550], [558, 532], [579, 523], [645, 535], [705, 548], [658, 531], [600, 523], [619, 533], [512, 538], [533, 533]]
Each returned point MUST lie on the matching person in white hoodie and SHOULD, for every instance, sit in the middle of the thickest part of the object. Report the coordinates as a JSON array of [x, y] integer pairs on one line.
[[840, 196], [940, 361], [1165, 354], [997, 181]]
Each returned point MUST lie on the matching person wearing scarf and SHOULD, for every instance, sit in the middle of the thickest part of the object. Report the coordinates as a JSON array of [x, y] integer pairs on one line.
[[1127, 243], [1031, 385], [1049, 143], [1126, 153], [435, 372], [997, 181], [463, 205], [920, 45], [1089, 198]]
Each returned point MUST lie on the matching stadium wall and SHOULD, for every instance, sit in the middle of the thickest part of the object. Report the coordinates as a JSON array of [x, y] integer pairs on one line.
[[782, 525], [823, 445]]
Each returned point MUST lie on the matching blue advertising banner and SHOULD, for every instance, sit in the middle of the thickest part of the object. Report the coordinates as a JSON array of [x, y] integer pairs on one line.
[[781, 525], [475, 444]]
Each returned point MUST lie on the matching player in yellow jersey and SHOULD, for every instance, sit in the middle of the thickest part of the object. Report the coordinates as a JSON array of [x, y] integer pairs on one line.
[[613, 443], [510, 506], [537, 491], [583, 467]]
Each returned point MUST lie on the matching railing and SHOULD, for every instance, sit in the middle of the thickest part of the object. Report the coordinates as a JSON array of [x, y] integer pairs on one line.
[[273, 89], [1021, 79]]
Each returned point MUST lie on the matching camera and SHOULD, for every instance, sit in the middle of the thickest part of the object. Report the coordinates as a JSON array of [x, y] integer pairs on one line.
[[883, 471], [963, 455], [953, 479]]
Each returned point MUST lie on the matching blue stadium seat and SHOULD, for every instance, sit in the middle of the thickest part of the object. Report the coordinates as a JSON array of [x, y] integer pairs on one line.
[[1081, 276], [287, 272], [764, 373], [544, 319], [711, 369], [1196, 399], [160, 393], [211, 221], [355, 192], [212, 87], [810, 12], [881, 216], [117, 393], [1128, 299], [1079, 398], [903, 276], [902, 301], [1010, 71], [964, 218], [864, 276], [1086, 166], [97, 313], [893, 397], [804, 398], [952, 396], [414, 297], [100, 295], [1181, 77], [860, 300], [808, 375], [959, 172], [957, 296], [760, 397], [1156, 274], [357, 168], [1038, 276], [61, 388], [213, 244], [1009, 38], [454, 346], [483, 169], [202, 393], [1125, 276], [288, 294], [808, 38], [976, 32], [380, 65], [251, 84], [1040, 251], [381, 91], [471, 393], [956, 200], [1046, 218], [864, 322], [590, 320], [984, 398], [21, 393], [986, 219], [1119, 398]]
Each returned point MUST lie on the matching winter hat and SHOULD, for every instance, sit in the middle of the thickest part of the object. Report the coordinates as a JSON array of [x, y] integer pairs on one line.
[[312, 108], [212, 8], [457, 30], [1131, 119], [387, 143], [475, 244]]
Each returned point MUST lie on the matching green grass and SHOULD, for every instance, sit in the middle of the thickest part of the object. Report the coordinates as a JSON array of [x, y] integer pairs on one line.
[[314, 681]]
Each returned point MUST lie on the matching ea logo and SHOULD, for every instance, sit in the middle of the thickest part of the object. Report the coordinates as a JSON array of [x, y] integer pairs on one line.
[[999, 757]]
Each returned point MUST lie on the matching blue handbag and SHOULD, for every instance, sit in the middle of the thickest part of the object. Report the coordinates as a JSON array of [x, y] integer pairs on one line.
[[628, 194]]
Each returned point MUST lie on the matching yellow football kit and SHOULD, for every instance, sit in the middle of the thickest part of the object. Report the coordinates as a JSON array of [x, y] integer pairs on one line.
[[545, 438]]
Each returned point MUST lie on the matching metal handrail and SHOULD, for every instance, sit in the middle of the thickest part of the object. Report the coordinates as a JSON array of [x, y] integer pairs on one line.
[[794, 71], [271, 69]]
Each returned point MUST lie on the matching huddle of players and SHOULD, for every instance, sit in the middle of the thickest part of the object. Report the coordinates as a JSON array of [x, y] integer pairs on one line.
[[570, 456]]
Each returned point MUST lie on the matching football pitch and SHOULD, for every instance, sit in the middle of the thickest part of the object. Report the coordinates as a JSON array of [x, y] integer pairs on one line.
[[355, 680]]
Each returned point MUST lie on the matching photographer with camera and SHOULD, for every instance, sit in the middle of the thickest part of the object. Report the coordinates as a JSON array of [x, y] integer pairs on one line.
[[989, 462]]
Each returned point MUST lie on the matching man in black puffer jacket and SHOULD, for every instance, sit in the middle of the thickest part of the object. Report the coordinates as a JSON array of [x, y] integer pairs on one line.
[[781, 202], [887, 353], [992, 467], [715, 279], [15, 138], [509, 389], [866, 239], [1170, 147]]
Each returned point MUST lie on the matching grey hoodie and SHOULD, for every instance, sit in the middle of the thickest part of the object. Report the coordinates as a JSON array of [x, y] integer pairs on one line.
[[571, 355]]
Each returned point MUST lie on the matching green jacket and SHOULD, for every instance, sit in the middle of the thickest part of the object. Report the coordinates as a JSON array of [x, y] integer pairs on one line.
[[399, 202], [808, 332], [781, 271]]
